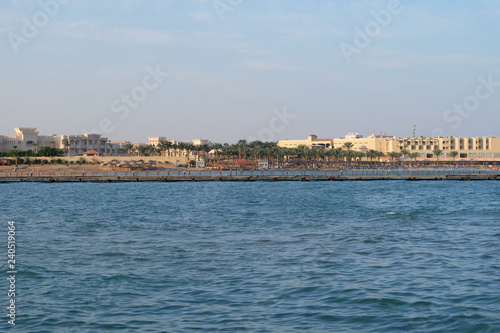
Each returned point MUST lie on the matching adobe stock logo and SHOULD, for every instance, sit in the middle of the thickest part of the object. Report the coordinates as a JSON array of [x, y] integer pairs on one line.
[[460, 111], [372, 29], [127, 101], [277, 124], [31, 28], [224, 6]]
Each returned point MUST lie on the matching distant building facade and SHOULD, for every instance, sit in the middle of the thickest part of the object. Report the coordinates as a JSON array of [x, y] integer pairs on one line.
[[199, 142], [311, 141], [155, 140], [467, 148], [28, 138]]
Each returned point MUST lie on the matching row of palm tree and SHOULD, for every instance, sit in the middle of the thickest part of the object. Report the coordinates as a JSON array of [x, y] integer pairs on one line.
[[257, 150], [168, 148]]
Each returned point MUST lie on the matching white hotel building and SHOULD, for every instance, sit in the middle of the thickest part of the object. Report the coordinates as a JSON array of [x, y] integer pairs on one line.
[[29, 139]]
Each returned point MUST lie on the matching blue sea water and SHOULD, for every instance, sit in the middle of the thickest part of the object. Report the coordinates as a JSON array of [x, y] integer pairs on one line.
[[254, 257]]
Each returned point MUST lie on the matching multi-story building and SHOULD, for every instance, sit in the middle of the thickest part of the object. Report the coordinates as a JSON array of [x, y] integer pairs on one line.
[[199, 142], [311, 141], [466, 148], [381, 143], [73, 145], [155, 140]]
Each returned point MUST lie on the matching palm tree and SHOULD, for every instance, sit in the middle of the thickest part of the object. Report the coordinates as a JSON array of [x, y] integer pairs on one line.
[[141, 150], [453, 154], [149, 150], [175, 147], [302, 151], [348, 154], [271, 150], [358, 155], [205, 149], [337, 153], [378, 154], [405, 152], [34, 144], [166, 146], [110, 149], [189, 148], [227, 151], [129, 147], [67, 144], [437, 152], [216, 147], [414, 156], [371, 154], [256, 152], [186, 147], [281, 153], [15, 154], [242, 148], [348, 146], [161, 148], [394, 155]]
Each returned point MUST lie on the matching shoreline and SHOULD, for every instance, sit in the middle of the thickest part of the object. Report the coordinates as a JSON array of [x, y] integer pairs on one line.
[[241, 176]]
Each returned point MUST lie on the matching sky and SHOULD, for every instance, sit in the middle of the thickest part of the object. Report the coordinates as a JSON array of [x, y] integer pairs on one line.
[[226, 70]]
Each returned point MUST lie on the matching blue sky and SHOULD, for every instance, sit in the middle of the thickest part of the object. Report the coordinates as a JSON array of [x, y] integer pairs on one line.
[[229, 68]]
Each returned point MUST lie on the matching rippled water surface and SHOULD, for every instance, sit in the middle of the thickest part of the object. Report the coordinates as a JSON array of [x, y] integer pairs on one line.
[[255, 257]]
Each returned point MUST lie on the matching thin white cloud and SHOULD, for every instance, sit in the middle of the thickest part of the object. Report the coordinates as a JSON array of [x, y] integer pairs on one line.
[[92, 30]]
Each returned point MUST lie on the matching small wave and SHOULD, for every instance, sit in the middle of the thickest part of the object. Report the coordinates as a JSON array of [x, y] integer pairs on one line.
[[119, 277], [391, 213], [112, 254]]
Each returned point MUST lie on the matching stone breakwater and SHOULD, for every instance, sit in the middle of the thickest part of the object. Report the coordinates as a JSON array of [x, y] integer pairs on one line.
[[243, 177]]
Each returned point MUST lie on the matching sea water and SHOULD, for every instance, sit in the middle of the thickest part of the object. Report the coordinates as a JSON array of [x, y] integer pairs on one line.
[[254, 257]]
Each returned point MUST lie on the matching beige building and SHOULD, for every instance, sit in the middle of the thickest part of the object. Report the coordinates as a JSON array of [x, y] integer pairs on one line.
[[311, 141], [467, 148], [155, 140], [381, 143], [199, 142], [28, 138]]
